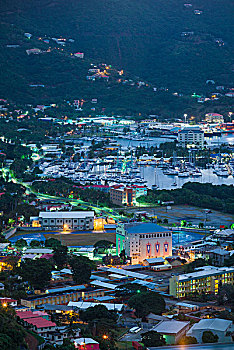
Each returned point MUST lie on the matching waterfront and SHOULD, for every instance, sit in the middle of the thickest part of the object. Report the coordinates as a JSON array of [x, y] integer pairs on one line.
[[166, 182]]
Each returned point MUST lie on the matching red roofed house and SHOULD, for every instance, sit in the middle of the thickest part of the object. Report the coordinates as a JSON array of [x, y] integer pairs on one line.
[[38, 324], [45, 328]]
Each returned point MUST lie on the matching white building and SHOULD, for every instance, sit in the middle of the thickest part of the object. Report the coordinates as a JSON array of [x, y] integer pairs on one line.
[[191, 137], [172, 330], [67, 220], [143, 241], [222, 328]]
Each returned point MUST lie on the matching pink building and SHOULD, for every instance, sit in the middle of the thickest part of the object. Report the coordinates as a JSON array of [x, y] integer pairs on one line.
[[86, 344]]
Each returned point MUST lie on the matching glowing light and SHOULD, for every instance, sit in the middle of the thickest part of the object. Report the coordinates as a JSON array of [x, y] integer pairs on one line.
[[105, 336], [65, 227]]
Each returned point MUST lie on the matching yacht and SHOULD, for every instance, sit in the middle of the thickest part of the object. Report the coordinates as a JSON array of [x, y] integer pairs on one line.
[[170, 172], [183, 174]]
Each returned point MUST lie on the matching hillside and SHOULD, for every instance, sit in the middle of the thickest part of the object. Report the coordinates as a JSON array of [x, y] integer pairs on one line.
[[144, 38]]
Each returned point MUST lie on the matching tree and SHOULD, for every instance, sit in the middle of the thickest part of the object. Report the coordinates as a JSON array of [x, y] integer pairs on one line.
[[97, 312], [129, 289], [152, 338], [35, 243], [185, 340], [52, 243], [165, 221], [103, 245], [81, 267], [147, 302], [60, 256], [209, 337], [200, 225], [21, 243], [11, 333], [36, 272]]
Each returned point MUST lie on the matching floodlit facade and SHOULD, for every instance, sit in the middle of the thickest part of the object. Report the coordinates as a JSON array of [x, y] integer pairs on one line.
[[67, 220], [123, 195], [191, 137], [204, 280], [143, 241]]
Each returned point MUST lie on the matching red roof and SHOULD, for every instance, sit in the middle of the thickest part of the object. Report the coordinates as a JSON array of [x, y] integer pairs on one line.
[[40, 322], [47, 256], [25, 314]]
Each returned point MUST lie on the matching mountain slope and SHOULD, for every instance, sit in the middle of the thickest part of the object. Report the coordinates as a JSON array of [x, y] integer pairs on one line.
[[140, 36]]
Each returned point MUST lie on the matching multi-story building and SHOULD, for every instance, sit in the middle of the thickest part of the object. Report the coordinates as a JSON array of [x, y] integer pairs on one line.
[[214, 118], [191, 137], [123, 195], [204, 280], [67, 220], [62, 295], [143, 241]]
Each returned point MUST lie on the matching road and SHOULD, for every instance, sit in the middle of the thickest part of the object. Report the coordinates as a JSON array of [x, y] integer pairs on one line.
[[83, 205]]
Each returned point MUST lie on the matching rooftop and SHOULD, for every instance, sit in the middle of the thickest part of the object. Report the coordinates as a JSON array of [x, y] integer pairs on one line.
[[210, 271], [82, 341], [127, 273], [155, 260], [170, 327], [219, 251], [66, 214], [144, 227], [38, 251], [83, 305], [216, 324]]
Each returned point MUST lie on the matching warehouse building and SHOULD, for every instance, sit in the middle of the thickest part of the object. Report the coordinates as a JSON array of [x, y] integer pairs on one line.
[[67, 220]]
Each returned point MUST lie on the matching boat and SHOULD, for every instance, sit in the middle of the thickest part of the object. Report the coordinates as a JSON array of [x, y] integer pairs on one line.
[[174, 184], [222, 173], [170, 172], [183, 174]]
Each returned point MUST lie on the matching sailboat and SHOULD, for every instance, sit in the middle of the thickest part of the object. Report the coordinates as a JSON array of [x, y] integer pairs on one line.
[[155, 186]]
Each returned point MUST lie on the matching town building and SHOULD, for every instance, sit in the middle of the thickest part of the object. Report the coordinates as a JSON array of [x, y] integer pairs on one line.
[[120, 195], [172, 330], [204, 280], [35, 253], [79, 54], [214, 118], [222, 328], [143, 241], [62, 295], [67, 220], [191, 137], [86, 344], [218, 256], [45, 328]]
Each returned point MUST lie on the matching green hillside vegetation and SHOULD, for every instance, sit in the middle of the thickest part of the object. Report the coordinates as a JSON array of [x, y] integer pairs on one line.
[[141, 37]]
